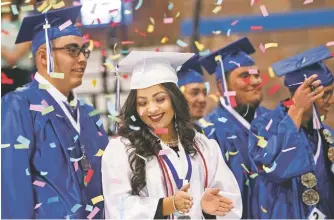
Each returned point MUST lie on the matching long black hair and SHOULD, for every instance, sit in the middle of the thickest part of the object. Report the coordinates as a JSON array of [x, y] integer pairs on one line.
[[143, 142]]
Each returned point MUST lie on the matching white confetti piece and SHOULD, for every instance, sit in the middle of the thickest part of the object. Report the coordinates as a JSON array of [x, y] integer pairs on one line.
[[288, 149], [99, 122], [44, 173], [133, 118], [142, 157], [23, 140], [5, 145], [264, 10], [269, 124], [27, 172], [164, 152], [216, 9], [207, 86], [37, 205], [228, 33], [65, 25], [219, 2], [52, 145], [308, 2], [211, 132], [75, 138], [89, 208], [232, 137], [329, 44], [222, 119]]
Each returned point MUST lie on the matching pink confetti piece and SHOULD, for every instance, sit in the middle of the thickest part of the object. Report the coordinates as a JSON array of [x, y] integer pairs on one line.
[[256, 28], [288, 103], [252, 71], [39, 183], [37, 205], [307, 2], [44, 103], [99, 133], [76, 166], [116, 181], [262, 48], [264, 10], [233, 101], [234, 22], [252, 2], [65, 25], [331, 43], [37, 108], [76, 3], [164, 152], [93, 213], [168, 20], [269, 125], [230, 93]]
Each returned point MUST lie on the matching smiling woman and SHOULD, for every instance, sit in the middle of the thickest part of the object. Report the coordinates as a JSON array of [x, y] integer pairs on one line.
[[164, 166]]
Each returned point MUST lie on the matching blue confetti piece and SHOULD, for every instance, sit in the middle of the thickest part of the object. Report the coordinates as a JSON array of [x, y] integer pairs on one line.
[[204, 52], [89, 208], [222, 119], [111, 109], [181, 43], [170, 6], [76, 138], [23, 140], [27, 172], [53, 145], [139, 4], [112, 128], [68, 217], [14, 10], [53, 199], [75, 208], [99, 122]]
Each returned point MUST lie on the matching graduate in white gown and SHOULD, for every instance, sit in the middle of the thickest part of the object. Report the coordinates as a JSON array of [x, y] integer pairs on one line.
[[160, 167]]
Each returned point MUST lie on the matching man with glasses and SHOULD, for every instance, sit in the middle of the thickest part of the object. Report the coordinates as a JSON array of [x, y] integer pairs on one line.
[[52, 144], [290, 148]]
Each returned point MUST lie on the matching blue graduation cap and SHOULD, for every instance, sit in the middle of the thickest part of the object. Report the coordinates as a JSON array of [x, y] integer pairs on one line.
[[301, 66], [42, 28], [234, 54], [190, 72]]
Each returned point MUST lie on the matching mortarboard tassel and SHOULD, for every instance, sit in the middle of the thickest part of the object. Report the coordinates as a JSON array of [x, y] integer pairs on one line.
[[224, 82], [117, 98], [48, 47]]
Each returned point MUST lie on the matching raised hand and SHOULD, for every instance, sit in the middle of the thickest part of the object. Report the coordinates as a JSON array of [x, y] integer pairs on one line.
[[214, 204]]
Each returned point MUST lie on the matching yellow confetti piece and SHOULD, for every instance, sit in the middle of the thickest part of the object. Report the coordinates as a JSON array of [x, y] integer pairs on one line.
[[214, 97], [204, 123], [30, 55], [322, 118], [262, 143], [150, 28], [164, 40], [47, 110], [5, 145], [114, 118], [216, 32], [109, 66], [227, 156], [91, 45], [216, 9], [247, 182], [97, 199], [73, 103], [182, 88], [115, 57], [94, 82], [59, 5], [42, 6], [254, 175], [47, 9], [177, 15], [6, 9], [245, 168], [269, 45], [234, 153], [21, 146], [57, 75], [218, 58], [271, 72], [43, 86], [128, 12], [152, 20], [27, 8], [94, 112], [99, 153], [263, 209], [199, 46]]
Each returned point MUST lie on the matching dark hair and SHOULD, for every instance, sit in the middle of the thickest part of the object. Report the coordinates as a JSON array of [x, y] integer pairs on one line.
[[144, 142]]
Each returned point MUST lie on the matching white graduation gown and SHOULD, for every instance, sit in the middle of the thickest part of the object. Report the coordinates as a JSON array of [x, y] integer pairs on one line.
[[116, 176]]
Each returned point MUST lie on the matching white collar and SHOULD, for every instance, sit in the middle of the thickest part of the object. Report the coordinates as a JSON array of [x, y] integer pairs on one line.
[[235, 114], [54, 92]]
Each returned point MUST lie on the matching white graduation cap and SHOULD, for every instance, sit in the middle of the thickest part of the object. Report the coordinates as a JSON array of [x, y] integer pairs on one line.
[[150, 68]]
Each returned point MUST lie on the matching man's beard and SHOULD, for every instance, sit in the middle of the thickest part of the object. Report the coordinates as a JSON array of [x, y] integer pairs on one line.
[[247, 111]]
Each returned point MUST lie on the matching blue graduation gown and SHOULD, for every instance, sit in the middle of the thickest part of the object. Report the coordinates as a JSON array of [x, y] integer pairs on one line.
[[47, 159], [288, 155], [232, 138]]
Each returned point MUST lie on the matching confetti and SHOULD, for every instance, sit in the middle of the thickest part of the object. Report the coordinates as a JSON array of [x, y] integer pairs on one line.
[[47, 110], [164, 152], [127, 42], [253, 71], [227, 155], [181, 43], [38, 205], [199, 46], [109, 66], [254, 175], [331, 43], [89, 208], [233, 101], [216, 32], [116, 181], [47, 9], [204, 123], [39, 183], [75, 138], [152, 20], [27, 8], [114, 118], [219, 2], [5, 3], [142, 157], [168, 20], [170, 6], [53, 199], [271, 72], [161, 131], [57, 75], [115, 57], [247, 182], [27, 172], [234, 153], [264, 10], [286, 150], [44, 103], [5, 145], [322, 117], [139, 4], [59, 5], [93, 213], [20, 146], [245, 168], [94, 112], [269, 170], [37, 108], [99, 122], [99, 153], [150, 28], [234, 22], [262, 48], [164, 40], [270, 45], [307, 2], [262, 142], [269, 125], [94, 82], [256, 28], [14, 10], [75, 208], [263, 209], [274, 89], [65, 25], [230, 93], [232, 137], [43, 86], [288, 103], [89, 176], [5, 9], [42, 6], [23, 140], [238, 64], [76, 166], [216, 9], [177, 15], [99, 133], [205, 52], [265, 79], [133, 118], [211, 132]]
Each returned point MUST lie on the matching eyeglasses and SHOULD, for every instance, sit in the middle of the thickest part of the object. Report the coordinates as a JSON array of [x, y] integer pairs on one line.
[[75, 50]]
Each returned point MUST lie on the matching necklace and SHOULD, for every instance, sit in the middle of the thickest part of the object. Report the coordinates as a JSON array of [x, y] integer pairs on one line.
[[172, 143]]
